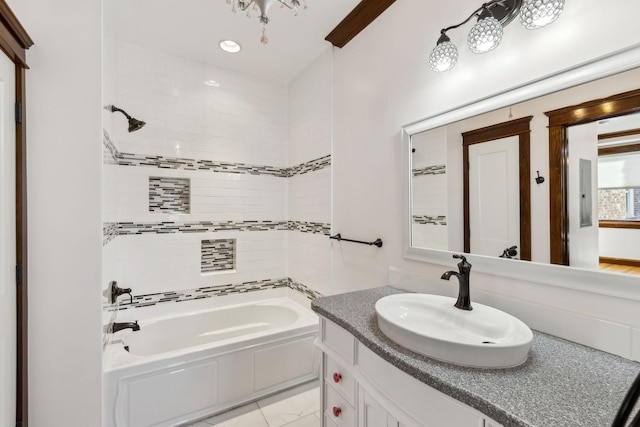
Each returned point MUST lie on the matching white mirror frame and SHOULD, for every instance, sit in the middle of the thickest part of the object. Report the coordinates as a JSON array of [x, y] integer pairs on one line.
[[612, 284]]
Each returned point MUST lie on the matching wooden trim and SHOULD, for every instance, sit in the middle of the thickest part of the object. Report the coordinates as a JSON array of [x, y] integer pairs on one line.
[[501, 130], [620, 261], [620, 134], [520, 128], [597, 109], [357, 20], [22, 407], [14, 40], [607, 223], [559, 120], [619, 149]]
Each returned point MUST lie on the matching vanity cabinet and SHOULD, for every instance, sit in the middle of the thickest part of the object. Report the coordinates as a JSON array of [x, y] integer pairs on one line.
[[360, 389]]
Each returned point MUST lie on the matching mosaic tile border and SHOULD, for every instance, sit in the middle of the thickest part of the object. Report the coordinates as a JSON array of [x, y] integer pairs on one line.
[[177, 163], [310, 166], [211, 292], [305, 290], [430, 219], [430, 170], [109, 232], [111, 152], [309, 227], [170, 227], [113, 229]]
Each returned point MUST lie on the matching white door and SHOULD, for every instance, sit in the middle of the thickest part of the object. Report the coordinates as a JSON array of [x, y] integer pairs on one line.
[[494, 196], [7, 243]]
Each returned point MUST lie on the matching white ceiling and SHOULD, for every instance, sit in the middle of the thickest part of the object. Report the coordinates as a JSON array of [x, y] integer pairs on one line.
[[193, 29]]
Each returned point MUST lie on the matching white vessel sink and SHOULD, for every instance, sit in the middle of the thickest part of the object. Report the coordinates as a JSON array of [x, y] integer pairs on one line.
[[430, 325]]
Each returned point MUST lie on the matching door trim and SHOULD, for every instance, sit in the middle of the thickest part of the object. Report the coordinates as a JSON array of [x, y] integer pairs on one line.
[[559, 120], [14, 42], [518, 127]]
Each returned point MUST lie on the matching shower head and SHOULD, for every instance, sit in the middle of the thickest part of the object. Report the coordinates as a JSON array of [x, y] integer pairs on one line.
[[134, 124]]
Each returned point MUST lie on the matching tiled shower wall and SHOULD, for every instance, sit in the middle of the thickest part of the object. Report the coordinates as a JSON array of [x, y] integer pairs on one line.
[[429, 189], [256, 156], [309, 194]]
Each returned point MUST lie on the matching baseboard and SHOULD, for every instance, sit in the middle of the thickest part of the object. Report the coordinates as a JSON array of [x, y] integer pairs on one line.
[[620, 261]]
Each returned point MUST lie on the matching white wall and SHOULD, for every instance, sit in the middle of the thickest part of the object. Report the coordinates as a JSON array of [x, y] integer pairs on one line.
[[64, 201], [382, 82]]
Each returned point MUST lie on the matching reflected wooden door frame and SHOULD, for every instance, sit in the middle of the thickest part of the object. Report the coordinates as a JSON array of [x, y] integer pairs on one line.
[[522, 129], [559, 120]]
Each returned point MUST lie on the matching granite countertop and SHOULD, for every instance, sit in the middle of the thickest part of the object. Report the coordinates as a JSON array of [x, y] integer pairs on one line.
[[561, 384]]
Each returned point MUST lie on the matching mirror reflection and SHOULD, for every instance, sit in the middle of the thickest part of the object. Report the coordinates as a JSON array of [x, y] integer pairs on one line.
[[503, 204]]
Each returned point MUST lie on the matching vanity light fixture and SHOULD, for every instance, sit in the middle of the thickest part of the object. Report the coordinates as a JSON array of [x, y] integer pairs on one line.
[[262, 7], [487, 32]]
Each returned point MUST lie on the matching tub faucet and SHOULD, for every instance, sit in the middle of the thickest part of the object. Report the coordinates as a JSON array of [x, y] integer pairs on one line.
[[464, 268], [113, 291], [120, 326]]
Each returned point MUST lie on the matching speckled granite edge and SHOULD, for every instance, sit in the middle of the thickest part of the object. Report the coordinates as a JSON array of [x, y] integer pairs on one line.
[[550, 388]]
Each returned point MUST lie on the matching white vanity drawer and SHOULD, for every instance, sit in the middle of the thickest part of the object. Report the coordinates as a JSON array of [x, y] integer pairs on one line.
[[337, 409], [340, 379], [339, 340]]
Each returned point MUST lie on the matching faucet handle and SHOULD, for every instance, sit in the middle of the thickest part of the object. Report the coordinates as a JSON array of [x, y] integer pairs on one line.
[[462, 257], [463, 264]]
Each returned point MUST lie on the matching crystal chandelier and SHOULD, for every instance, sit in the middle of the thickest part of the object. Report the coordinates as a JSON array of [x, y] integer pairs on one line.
[[261, 7], [486, 34]]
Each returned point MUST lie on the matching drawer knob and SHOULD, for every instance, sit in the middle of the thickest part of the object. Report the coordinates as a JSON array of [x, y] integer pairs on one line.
[[336, 377], [336, 411]]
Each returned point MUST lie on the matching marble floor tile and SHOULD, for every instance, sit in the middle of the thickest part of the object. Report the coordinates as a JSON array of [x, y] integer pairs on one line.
[[311, 420], [291, 405], [244, 416]]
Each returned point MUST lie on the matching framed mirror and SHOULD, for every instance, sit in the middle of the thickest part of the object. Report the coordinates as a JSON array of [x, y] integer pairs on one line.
[[440, 187]]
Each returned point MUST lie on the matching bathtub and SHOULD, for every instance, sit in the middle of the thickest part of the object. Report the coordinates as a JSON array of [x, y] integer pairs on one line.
[[182, 367]]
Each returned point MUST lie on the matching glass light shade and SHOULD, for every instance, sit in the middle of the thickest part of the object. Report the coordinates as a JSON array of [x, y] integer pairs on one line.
[[538, 13], [443, 57], [485, 35]]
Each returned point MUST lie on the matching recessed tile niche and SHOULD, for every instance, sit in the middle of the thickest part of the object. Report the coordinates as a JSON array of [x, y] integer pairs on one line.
[[218, 255], [169, 195]]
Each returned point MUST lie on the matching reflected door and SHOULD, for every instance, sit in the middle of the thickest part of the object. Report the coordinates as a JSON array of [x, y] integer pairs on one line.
[[494, 201], [7, 243]]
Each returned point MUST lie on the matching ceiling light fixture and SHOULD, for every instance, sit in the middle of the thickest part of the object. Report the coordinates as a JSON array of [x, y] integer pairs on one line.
[[230, 46], [262, 7], [487, 32]]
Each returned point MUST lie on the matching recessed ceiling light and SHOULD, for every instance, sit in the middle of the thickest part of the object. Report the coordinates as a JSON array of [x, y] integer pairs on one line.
[[230, 46], [212, 83]]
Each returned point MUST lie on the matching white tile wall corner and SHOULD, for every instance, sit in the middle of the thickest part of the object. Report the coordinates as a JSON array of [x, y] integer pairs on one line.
[[310, 111], [309, 194], [244, 120], [309, 260], [309, 197]]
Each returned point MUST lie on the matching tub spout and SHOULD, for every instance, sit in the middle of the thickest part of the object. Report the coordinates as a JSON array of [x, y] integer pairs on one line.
[[120, 326]]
